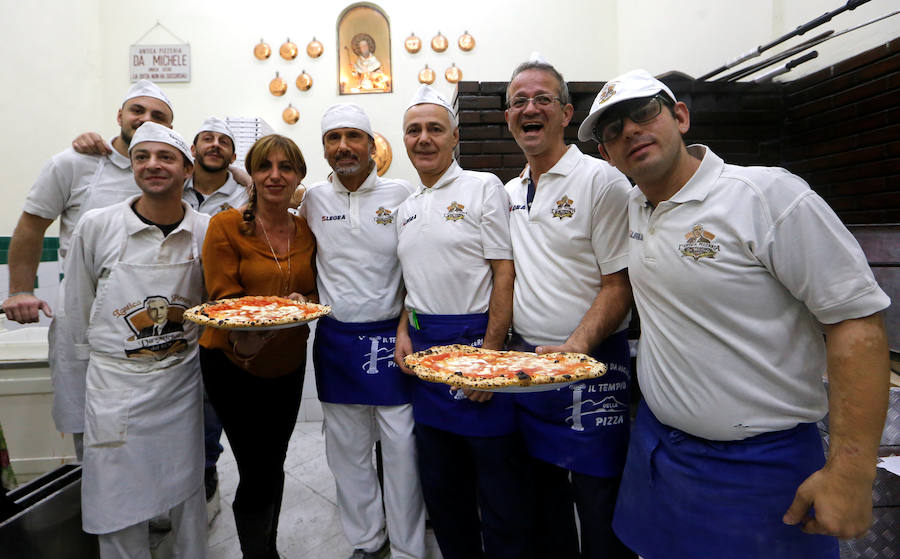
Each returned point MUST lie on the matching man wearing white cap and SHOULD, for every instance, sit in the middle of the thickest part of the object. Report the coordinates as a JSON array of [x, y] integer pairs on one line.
[[457, 266], [737, 272], [568, 225], [69, 185], [365, 397], [212, 187], [143, 446]]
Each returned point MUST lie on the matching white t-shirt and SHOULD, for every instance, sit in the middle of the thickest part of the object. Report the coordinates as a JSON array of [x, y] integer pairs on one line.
[[576, 231], [70, 183], [229, 195], [97, 246], [447, 235], [732, 277], [356, 246]]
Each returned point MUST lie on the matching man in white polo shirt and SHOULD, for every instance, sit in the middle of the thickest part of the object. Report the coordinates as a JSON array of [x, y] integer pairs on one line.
[[212, 187], [69, 185], [365, 397], [568, 225], [737, 272], [143, 452], [457, 266]]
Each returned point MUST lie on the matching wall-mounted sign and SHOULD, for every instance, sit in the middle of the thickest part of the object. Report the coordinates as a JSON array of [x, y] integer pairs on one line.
[[160, 63]]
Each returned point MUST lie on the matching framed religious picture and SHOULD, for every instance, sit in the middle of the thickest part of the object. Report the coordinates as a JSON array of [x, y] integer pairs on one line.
[[364, 50]]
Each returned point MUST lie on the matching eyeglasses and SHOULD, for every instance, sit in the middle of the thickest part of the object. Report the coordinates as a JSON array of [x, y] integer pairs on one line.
[[542, 100], [608, 130]]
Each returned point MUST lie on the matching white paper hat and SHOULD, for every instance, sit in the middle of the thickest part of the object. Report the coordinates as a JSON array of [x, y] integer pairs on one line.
[[537, 57], [216, 124], [153, 132], [630, 85], [146, 88], [346, 115], [427, 95]]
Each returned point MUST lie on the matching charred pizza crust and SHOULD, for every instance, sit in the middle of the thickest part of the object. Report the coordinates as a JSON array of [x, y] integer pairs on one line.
[[465, 366], [255, 312]]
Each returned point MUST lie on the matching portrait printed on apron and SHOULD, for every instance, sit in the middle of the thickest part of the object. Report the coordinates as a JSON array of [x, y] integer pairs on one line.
[[157, 326]]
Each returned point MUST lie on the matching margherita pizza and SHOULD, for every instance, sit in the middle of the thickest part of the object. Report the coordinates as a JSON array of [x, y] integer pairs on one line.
[[255, 312], [464, 366]]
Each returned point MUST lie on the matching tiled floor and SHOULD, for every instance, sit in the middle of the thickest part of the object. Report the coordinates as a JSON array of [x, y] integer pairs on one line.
[[309, 526]]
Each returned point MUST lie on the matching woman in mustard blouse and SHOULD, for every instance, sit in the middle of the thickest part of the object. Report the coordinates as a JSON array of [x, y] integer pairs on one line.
[[254, 379]]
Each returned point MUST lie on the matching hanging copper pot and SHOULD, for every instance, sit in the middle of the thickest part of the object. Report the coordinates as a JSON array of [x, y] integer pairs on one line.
[[262, 51], [412, 43], [453, 74], [439, 43], [288, 50], [383, 156], [304, 81], [426, 75], [314, 49], [277, 86], [290, 115], [466, 42]]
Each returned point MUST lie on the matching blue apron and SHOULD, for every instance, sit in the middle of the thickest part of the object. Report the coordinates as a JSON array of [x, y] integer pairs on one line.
[[354, 363], [582, 427], [436, 404], [684, 497]]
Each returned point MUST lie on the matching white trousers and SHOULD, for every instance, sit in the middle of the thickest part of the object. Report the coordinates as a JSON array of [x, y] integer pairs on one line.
[[350, 434], [188, 529]]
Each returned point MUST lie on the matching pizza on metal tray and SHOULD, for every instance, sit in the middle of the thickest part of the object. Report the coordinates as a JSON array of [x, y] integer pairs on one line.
[[464, 366], [254, 312]]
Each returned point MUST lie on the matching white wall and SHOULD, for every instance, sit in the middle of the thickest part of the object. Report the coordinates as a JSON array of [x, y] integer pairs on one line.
[[65, 62]]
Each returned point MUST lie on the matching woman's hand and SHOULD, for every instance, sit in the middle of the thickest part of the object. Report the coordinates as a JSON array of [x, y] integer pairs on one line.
[[298, 297], [247, 344]]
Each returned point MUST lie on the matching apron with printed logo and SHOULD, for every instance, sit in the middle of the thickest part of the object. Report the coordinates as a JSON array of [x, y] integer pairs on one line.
[[438, 405], [143, 438], [584, 426], [68, 385], [354, 363]]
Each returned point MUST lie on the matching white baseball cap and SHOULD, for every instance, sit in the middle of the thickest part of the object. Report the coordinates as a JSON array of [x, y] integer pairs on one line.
[[153, 132], [216, 124], [630, 85], [146, 88], [346, 115]]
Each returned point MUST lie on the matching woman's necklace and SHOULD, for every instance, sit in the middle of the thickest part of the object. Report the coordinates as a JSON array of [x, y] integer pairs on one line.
[[287, 283]]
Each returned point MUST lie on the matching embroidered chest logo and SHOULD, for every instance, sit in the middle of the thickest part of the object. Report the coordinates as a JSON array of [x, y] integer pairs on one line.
[[383, 216], [564, 208], [408, 219], [698, 244], [455, 212], [608, 91], [334, 217]]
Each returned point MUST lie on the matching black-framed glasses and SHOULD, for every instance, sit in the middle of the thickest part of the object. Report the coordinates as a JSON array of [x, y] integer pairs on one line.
[[646, 110], [542, 100]]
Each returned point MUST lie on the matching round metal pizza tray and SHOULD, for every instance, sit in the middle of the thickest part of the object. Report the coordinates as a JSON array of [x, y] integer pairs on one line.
[[530, 388]]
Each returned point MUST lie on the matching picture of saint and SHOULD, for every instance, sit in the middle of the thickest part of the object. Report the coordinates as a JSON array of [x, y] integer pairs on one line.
[[364, 47]]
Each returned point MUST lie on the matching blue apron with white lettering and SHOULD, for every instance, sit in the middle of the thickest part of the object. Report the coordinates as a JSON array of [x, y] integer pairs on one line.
[[584, 426], [354, 363], [684, 497], [438, 405]]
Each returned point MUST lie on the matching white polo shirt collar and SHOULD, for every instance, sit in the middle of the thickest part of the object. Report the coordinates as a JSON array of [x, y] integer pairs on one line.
[[450, 175], [368, 184], [116, 158]]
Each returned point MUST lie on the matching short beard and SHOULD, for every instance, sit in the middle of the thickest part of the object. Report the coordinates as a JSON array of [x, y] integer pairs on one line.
[[210, 168], [348, 171], [126, 137]]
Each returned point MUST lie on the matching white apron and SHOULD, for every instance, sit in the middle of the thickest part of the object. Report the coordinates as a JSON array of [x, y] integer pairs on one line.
[[68, 382], [143, 438]]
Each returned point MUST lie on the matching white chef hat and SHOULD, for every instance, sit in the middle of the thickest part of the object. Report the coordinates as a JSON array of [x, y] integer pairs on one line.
[[146, 88], [216, 124], [537, 57], [630, 85], [153, 132], [427, 95], [346, 115]]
